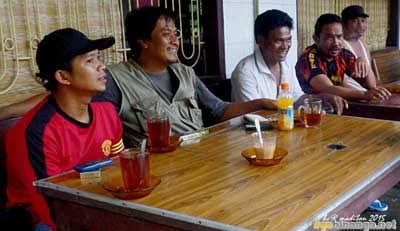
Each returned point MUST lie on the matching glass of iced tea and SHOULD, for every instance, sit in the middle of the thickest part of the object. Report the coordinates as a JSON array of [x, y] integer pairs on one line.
[[135, 168], [312, 112], [266, 149], [158, 129]]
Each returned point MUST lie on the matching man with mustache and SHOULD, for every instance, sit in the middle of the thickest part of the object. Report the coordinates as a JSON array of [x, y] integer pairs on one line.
[[322, 66], [259, 75]]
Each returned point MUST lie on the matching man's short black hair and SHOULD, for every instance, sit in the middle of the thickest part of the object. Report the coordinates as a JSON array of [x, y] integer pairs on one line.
[[139, 24], [270, 20], [324, 20]]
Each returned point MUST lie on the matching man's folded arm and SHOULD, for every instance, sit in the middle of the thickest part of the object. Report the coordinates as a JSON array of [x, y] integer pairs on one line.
[[321, 83]]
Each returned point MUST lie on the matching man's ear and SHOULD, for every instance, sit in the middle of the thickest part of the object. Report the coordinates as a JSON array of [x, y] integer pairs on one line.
[[260, 40], [316, 38], [62, 77], [143, 44]]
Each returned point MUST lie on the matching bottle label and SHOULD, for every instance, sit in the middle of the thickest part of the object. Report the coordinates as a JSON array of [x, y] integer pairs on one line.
[[286, 118]]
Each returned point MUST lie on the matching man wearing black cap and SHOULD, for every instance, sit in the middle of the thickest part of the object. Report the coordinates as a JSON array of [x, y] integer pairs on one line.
[[354, 21], [65, 129], [354, 26]]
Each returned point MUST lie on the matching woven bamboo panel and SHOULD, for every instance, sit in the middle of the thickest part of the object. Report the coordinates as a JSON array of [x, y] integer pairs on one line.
[[378, 21], [24, 23]]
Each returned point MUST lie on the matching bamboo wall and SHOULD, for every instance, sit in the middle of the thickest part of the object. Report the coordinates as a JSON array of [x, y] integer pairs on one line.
[[310, 10], [24, 23]]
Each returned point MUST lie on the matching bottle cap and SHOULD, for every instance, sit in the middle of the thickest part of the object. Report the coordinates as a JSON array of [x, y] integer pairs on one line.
[[285, 86]]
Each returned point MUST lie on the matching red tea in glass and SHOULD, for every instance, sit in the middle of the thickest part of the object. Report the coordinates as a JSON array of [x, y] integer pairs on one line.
[[135, 169], [158, 129], [313, 119], [312, 112]]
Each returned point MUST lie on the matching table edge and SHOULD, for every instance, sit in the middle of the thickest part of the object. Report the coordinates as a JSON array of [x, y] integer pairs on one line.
[[43, 185], [341, 200]]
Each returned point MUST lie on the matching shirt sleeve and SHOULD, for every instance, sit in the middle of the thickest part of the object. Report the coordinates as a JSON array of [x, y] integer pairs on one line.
[[209, 101], [118, 144], [21, 175], [307, 67], [244, 86], [111, 94]]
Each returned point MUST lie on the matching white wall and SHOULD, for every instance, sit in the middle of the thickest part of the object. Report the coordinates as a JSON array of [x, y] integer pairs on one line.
[[238, 28], [238, 31]]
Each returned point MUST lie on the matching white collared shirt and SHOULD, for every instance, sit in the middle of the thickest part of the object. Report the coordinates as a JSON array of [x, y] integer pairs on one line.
[[252, 79]]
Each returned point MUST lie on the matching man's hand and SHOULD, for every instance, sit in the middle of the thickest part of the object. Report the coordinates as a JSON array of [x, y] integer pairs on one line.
[[338, 102], [380, 93], [360, 68]]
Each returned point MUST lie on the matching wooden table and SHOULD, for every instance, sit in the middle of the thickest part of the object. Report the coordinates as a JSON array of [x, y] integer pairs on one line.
[[385, 109], [209, 186], [393, 87]]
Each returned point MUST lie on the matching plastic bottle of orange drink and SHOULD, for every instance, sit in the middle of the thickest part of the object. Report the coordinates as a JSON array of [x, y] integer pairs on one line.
[[285, 108]]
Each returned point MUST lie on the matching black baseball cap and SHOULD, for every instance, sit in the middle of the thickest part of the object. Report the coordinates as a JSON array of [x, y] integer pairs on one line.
[[352, 12], [61, 46]]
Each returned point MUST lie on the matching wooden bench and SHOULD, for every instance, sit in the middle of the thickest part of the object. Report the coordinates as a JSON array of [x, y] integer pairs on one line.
[[388, 64], [5, 125]]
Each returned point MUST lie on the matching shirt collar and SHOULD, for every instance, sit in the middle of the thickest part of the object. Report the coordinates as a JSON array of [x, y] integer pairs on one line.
[[260, 63]]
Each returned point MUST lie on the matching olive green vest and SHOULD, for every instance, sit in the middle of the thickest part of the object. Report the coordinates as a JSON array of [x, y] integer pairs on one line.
[[140, 96]]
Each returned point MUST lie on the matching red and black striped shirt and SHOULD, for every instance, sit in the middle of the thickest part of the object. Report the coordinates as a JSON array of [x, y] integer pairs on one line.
[[310, 64]]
